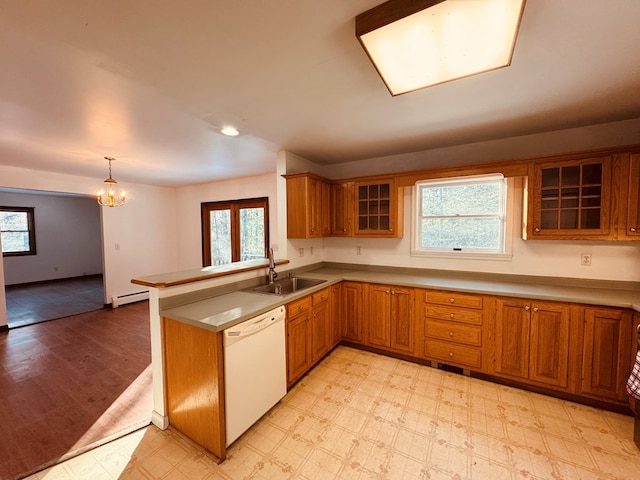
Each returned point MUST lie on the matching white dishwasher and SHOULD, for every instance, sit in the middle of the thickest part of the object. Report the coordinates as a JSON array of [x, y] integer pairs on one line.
[[255, 370]]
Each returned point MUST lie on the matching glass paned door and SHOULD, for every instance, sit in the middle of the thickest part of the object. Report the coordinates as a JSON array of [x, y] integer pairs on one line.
[[252, 233], [220, 234]]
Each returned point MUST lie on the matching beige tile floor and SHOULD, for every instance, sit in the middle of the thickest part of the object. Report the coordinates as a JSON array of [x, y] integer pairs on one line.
[[359, 415]]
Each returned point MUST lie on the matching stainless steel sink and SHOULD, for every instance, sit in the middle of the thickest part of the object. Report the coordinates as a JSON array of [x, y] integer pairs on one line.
[[286, 286]]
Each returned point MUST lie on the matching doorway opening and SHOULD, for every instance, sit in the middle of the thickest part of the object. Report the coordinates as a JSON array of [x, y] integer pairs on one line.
[[64, 275]]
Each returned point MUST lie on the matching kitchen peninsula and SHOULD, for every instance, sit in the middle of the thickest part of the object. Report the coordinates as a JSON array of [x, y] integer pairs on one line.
[[565, 337]]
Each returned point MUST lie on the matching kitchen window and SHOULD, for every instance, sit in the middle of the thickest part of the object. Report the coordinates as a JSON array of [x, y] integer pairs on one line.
[[18, 231], [461, 217], [234, 231]]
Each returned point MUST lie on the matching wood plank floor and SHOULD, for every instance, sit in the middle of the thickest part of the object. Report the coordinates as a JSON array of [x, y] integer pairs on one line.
[[41, 301], [71, 383]]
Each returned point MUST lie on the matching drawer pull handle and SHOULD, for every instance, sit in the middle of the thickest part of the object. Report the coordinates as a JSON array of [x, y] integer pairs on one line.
[[451, 354], [300, 308], [451, 315], [452, 299], [451, 334]]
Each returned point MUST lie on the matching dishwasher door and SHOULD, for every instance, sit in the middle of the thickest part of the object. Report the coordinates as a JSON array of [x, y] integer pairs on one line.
[[255, 370]]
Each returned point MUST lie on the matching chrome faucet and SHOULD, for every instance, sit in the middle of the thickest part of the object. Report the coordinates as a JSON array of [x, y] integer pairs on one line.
[[272, 267]]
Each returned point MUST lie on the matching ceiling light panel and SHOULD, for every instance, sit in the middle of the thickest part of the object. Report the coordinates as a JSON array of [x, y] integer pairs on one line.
[[416, 44]]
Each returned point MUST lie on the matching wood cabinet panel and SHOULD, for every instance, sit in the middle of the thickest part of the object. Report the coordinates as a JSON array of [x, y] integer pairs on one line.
[[194, 378], [453, 354], [454, 298], [606, 358], [298, 346], [454, 314], [342, 209], [532, 342], [352, 311], [335, 301], [512, 338], [402, 322], [453, 332], [630, 224], [307, 206], [549, 345], [378, 325], [320, 331]]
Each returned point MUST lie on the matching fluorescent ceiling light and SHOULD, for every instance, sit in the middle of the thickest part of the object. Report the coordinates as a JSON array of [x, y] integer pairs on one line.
[[418, 43]]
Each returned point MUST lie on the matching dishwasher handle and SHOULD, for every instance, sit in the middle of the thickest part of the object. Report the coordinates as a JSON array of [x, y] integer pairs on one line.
[[254, 325]]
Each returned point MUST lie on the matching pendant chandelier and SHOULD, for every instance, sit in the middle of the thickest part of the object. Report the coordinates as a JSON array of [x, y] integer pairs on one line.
[[106, 196]]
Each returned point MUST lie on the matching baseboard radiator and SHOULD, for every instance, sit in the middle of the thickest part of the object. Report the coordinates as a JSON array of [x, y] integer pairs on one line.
[[129, 298]]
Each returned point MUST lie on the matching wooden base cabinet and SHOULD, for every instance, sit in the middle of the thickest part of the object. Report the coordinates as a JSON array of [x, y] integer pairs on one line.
[[532, 342], [352, 303], [389, 318], [194, 380], [606, 353], [453, 329], [310, 333], [299, 349]]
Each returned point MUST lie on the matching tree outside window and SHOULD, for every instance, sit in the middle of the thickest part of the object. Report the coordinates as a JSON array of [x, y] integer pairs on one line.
[[17, 228], [234, 231]]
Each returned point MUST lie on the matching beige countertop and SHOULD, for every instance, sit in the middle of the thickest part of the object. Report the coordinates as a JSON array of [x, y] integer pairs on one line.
[[223, 311]]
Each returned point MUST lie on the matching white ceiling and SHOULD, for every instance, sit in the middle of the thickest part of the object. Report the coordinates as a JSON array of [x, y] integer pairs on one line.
[[151, 83]]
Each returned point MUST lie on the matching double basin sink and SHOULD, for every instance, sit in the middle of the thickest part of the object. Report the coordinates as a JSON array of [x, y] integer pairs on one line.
[[286, 286]]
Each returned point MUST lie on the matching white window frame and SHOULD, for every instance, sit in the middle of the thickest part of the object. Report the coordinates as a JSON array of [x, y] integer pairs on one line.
[[506, 220]]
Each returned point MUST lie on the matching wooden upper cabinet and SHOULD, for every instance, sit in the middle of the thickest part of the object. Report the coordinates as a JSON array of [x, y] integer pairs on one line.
[[379, 207], [629, 204], [308, 199], [341, 209], [570, 199]]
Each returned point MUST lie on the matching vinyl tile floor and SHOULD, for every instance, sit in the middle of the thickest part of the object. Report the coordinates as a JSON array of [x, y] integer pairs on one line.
[[358, 415]]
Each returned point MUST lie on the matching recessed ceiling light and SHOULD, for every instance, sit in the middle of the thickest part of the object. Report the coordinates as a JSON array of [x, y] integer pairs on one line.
[[230, 131]]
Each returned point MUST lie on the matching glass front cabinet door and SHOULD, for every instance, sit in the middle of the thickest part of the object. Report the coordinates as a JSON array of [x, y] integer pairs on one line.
[[570, 200], [378, 209]]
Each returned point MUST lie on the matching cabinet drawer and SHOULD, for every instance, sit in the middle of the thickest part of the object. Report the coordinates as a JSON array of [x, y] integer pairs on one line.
[[319, 297], [454, 298], [453, 354], [453, 332], [454, 314], [299, 306]]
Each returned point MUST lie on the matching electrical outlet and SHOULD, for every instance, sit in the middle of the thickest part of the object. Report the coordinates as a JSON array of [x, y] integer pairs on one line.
[[358, 250], [585, 259], [301, 252]]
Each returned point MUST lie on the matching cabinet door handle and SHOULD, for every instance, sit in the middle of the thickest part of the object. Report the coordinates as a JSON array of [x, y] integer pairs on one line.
[[633, 229], [535, 309], [527, 307], [537, 229]]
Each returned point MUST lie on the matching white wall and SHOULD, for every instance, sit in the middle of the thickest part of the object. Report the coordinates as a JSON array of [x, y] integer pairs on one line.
[[68, 238], [188, 200], [144, 228], [610, 260]]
